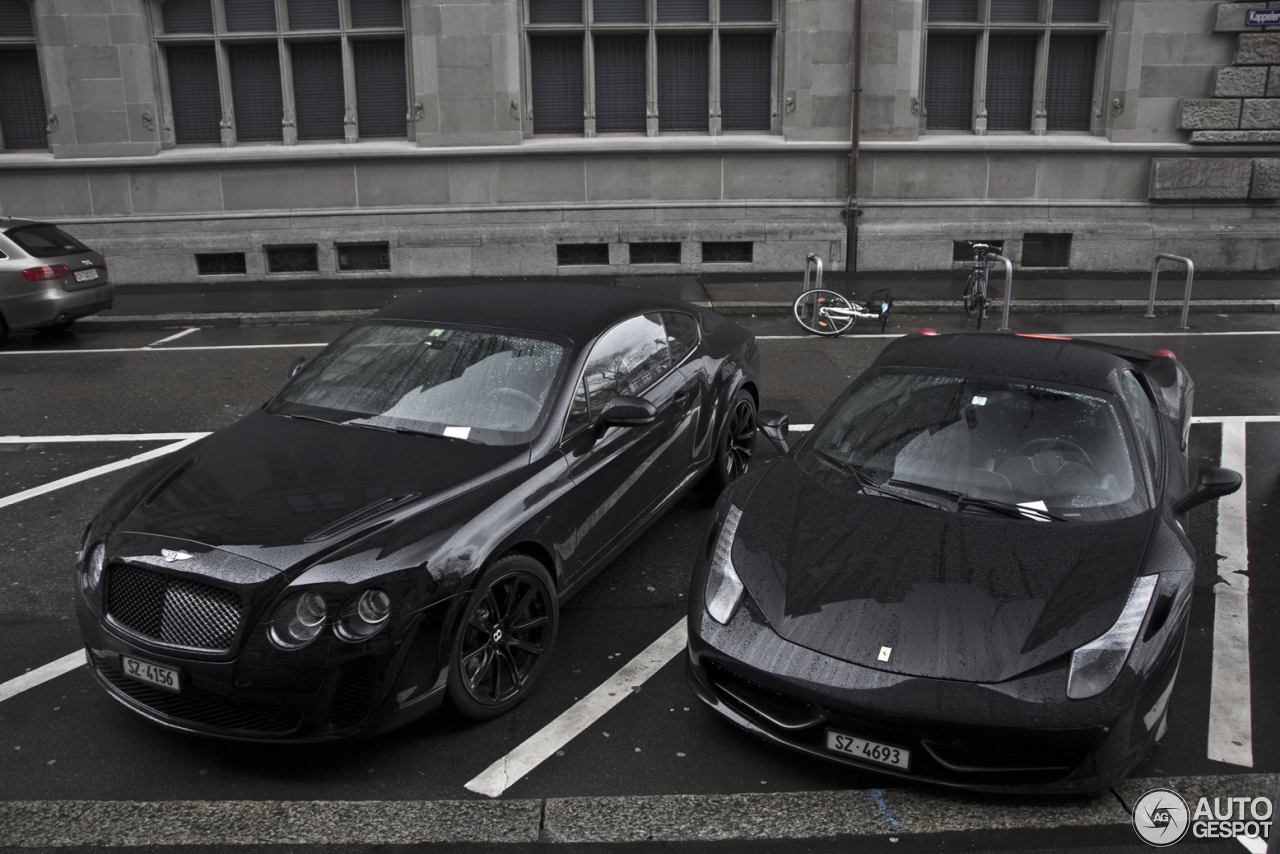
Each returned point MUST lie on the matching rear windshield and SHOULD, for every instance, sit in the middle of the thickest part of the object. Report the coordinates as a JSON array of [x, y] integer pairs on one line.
[[46, 241]]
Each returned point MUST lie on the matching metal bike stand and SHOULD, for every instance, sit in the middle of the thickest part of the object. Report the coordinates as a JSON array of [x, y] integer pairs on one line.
[[1186, 297], [809, 261], [1008, 288]]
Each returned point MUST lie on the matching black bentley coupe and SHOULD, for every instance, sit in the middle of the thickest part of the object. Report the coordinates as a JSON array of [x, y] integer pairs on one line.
[[401, 521], [973, 571]]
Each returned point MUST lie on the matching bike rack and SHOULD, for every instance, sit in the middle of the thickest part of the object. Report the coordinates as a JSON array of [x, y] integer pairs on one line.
[[1008, 288], [809, 261], [1186, 297]]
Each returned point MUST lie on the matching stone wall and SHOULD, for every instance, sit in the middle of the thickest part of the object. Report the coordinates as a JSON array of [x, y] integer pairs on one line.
[[1245, 107]]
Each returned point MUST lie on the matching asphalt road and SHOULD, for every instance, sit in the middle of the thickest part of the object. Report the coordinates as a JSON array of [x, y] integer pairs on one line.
[[66, 741]]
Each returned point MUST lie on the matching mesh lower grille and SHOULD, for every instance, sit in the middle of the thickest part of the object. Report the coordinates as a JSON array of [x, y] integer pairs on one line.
[[207, 711], [353, 695], [172, 610]]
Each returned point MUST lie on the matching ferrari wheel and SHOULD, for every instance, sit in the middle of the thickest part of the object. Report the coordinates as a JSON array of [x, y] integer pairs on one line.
[[736, 445], [505, 638]]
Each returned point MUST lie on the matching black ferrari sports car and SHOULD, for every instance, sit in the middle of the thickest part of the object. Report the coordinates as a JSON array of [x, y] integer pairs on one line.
[[973, 571], [403, 518]]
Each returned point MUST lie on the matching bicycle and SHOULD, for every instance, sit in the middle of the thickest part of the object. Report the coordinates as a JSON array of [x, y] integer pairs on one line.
[[825, 312], [975, 289]]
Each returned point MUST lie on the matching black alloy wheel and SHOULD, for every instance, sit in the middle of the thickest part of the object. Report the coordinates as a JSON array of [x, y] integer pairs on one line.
[[505, 639], [736, 446]]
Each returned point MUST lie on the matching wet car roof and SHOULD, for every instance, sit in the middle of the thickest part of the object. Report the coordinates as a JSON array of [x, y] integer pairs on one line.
[[571, 310], [1057, 360]]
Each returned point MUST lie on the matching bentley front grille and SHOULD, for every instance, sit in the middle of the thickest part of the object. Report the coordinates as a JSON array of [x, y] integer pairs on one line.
[[172, 610]]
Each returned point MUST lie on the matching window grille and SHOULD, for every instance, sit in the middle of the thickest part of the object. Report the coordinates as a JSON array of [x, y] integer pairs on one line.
[[220, 264], [15, 20], [636, 75], [193, 84], [582, 254], [22, 107], [363, 256], [1015, 11], [726, 252], [953, 10], [1046, 250], [1069, 88], [292, 259], [1075, 11], [345, 81], [1011, 70], [654, 253], [948, 92]]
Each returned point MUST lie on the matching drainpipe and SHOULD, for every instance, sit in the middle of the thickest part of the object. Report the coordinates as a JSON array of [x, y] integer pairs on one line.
[[851, 211]]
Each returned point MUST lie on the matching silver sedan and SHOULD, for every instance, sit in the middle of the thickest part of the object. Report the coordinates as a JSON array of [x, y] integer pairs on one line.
[[47, 277]]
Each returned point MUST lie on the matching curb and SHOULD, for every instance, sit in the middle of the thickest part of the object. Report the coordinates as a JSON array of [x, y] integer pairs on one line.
[[727, 307]]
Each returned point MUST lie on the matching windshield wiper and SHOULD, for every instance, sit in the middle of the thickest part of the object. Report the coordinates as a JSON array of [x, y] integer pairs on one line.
[[1021, 511], [869, 485]]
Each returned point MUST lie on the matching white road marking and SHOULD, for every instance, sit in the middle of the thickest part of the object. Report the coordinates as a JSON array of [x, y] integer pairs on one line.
[[150, 349], [86, 475], [40, 675], [174, 337], [504, 773], [1254, 844], [99, 437], [1230, 709], [1233, 419]]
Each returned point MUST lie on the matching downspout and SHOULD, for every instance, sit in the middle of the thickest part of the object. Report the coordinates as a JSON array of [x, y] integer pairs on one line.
[[851, 211]]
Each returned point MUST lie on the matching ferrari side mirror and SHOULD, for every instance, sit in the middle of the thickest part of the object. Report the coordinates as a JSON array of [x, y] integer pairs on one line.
[[775, 425], [1211, 484], [626, 411], [296, 366]]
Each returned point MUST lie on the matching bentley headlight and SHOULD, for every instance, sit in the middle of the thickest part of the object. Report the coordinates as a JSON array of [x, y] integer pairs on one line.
[[724, 588], [91, 576], [365, 615], [1096, 665], [298, 620]]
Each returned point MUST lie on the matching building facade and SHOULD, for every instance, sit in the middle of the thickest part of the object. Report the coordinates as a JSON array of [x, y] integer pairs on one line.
[[194, 140]]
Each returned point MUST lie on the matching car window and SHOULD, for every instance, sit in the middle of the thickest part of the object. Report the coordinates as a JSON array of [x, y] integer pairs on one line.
[[45, 241], [682, 334], [1144, 415], [626, 360]]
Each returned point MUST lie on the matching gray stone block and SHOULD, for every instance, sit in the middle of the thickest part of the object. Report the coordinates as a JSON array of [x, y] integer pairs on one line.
[[109, 192], [128, 29], [1162, 48], [1227, 136], [1230, 18], [85, 30], [773, 177], [540, 180], [176, 190], [41, 194], [1266, 179], [1249, 81], [302, 187], [94, 128], [1260, 114], [102, 95], [1200, 177], [1012, 177], [1258, 49], [1095, 176], [402, 183], [1173, 81], [1209, 113]]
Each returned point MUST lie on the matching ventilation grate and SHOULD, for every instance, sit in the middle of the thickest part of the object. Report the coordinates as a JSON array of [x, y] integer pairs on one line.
[[364, 256], [726, 252], [581, 254], [292, 259], [172, 610], [655, 253], [220, 263]]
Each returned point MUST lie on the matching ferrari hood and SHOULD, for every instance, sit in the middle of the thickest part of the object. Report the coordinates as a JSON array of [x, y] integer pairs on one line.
[[278, 490], [932, 593]]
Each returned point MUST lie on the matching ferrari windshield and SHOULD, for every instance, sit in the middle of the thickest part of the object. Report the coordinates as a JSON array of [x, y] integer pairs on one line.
[[485, 387], [989, 444]]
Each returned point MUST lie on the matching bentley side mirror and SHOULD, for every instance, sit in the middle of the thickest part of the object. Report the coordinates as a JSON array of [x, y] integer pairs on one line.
[[626, 411], [296, 366], [775, 425], [1211, 484]]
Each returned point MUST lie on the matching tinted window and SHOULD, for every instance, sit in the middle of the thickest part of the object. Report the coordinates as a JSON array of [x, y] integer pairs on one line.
[[483, 387], [682, 334], [1144, 415], [1056, 448], [46, 241], [626, 360]]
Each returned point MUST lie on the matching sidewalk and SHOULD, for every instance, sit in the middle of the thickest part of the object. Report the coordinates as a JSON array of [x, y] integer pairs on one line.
[[258, 303]]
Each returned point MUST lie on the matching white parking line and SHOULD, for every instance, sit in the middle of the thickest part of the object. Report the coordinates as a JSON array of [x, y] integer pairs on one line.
[[1230, 712], [175, 336], [40, 675], [504, 773], [100, 437], [86, 475], [153, 349]]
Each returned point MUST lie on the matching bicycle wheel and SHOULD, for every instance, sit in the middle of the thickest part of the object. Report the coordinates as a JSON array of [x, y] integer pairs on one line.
[[813, 311], [980, 300], [970, 296]]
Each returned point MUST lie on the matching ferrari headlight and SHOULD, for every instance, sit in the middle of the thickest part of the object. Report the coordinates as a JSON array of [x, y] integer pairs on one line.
[[91, 576], [298, 620], [724, 588], [1096, 665], [365, 615]]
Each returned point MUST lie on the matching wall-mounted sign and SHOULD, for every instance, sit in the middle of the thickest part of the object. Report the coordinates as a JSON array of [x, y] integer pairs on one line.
[[1263, 17]]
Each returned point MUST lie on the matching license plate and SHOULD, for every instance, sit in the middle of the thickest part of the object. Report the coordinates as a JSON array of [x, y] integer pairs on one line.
[[871, 751], [86, 275], [153, 674]]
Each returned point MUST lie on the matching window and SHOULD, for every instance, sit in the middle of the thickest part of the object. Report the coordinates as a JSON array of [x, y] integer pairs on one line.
[[651, 66], [581, 254], [626, 360], [682, 334], [1012, 65], [22, 107], [319, 70], [1144, 415], [220, 264], [1046, 250], [364, 256], [292, 259]]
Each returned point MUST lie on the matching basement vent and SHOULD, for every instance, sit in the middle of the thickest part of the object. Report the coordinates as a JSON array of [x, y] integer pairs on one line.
[[220, 264], [292, 259], [655, 253], [1046, 250], [726, 253], [364, 256], [582, 254]]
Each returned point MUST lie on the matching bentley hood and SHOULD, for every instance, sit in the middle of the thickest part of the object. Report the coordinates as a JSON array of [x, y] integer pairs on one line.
[[279, 490], [932, 593]]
